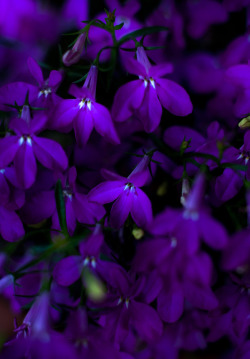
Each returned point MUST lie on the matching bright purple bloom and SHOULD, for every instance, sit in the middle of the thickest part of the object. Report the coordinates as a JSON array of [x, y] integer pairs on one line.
[[24, 147], [46, 96], [85, 113], [146, 96], [129, 197]]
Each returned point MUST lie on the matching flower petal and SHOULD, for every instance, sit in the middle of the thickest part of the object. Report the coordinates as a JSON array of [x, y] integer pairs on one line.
[[173, 97], [103, 123], [67, 270], [86, 212], [121, 208], [55, 77], [83, 126], [8, 149], [127, 98], [25, 166], [170, 304], [50, 153], [35, 70], [141, 211], [150, 111], [11, 227], [216, 236], [106, 192], [145, 320]]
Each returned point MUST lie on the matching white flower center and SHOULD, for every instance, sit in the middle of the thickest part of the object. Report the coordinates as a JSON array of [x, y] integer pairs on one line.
[[130, 188], [147, 81], [45, 92], [25, 139], [85, 102]]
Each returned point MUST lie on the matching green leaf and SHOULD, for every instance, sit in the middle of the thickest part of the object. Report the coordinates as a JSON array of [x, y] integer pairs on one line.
[[118, 27], [60, 206], [142, 32]]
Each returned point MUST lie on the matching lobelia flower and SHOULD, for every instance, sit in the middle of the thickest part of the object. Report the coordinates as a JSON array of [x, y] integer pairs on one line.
[[88, 340], [129, 197], [43, 95], [232, 315], [128, 309], [85, 113], [192, 222], [42, 205], [146, 96], [183, 277], [46, 89], [36, 321], [68, 270], [25, 146]]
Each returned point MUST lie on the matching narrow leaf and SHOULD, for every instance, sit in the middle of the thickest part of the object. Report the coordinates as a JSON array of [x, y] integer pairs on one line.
[[142, 32], [60, 206]]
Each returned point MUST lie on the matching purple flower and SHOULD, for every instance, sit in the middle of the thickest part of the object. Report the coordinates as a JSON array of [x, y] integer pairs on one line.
[[193, 222], [85, 113], [202, 14], [88, 340], [128, 309], [129, 197], [68, 270], [25, 146], [46, 89], [146, 96]]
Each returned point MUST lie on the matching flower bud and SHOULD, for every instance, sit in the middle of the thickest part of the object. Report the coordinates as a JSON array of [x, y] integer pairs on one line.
[[73, 55]]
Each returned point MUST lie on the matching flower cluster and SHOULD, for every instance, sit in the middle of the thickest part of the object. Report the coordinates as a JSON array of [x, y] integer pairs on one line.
[[125, 179]]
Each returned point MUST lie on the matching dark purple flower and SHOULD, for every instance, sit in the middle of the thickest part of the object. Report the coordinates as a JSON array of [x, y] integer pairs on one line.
[[88, 340], [68, 270], [203, 14], [128, 309], [192, 222], [41, 205]]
